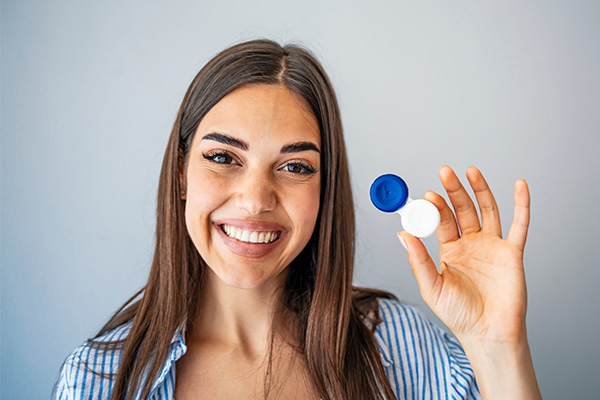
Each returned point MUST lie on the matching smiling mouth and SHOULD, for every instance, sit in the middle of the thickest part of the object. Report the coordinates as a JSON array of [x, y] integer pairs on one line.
[[246, 236]]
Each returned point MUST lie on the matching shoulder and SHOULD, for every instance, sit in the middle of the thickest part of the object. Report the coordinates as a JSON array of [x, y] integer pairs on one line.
[[88, 371], [421, 359], [401, 319], [404, 329]]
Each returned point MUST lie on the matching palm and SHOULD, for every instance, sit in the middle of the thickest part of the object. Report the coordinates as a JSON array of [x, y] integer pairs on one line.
[[479, 291], [483, 286]]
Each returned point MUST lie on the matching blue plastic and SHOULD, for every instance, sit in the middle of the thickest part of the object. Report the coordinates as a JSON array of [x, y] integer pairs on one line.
[[389, 193]]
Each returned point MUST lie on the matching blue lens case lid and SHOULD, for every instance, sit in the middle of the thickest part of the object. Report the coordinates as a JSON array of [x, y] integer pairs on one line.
[[389, 193]]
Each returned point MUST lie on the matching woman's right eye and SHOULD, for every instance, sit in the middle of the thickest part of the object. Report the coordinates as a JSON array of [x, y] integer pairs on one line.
[[219, 158]]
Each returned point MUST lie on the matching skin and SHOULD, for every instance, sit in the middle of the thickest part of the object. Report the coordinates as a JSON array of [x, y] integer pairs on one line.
[[251, 182], [479, 291]]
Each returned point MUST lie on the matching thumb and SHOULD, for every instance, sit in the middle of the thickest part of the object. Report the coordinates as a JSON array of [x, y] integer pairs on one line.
[[423, 267]]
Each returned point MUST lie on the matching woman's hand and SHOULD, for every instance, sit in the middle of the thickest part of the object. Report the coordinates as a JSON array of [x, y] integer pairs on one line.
[[479, 292]]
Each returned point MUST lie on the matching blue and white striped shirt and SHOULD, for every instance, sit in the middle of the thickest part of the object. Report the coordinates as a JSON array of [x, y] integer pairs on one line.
[[420, 359]]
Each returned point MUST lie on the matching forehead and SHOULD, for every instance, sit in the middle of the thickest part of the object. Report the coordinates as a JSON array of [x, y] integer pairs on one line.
[[271, 112]]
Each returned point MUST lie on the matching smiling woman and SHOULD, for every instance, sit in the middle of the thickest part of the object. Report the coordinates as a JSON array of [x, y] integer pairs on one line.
[[250, 293]]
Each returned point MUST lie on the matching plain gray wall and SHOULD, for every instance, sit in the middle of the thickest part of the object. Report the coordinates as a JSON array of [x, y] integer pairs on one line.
[[90, 91]]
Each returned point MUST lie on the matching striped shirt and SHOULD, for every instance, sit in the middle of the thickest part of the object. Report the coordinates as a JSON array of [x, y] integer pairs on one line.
[[421, 361]]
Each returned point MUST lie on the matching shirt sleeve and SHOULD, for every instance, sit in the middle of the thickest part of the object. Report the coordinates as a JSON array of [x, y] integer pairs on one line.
[[66, 382], [87, 373], [421, 360]]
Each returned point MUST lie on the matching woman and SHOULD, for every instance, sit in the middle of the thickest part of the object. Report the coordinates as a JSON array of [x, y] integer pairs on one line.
[[250, 293]]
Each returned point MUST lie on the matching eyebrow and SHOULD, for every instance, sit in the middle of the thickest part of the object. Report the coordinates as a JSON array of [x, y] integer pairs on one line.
[[231, 141], [298, 147], [226, 139]]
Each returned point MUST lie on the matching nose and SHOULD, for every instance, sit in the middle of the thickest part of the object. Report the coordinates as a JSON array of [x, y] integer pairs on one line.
[[256, 194]]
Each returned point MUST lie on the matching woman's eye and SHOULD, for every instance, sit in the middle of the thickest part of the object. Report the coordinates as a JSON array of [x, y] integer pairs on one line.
[[297, 168], [220, 158]]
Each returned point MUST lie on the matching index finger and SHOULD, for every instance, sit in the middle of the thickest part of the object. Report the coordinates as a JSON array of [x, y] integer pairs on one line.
[[466, 214]]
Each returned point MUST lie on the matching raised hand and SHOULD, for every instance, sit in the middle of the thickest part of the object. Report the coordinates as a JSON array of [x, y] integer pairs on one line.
[[479, 291]]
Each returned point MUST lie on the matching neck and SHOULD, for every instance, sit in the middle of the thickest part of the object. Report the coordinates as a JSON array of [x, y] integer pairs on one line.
[[238, 318]]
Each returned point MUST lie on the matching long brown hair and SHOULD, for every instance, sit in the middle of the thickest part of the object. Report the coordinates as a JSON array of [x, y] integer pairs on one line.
[[339, 349]]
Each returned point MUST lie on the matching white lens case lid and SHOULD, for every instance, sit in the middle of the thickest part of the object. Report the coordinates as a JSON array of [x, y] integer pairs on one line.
[[420, 218]]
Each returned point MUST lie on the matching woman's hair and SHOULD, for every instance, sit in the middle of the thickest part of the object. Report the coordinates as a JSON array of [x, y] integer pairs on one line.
[[334, 325]]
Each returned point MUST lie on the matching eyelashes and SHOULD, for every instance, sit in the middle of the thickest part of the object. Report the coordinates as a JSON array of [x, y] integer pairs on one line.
[[219, 157], [299, 168], [223, 157]]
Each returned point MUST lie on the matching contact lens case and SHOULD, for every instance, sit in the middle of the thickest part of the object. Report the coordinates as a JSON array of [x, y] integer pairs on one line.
[[389, 193]]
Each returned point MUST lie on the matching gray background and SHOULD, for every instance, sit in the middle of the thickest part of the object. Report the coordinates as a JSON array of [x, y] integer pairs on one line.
[[90, 91]]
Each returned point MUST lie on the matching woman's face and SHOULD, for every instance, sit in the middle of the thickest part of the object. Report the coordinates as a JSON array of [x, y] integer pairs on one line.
[[253, 184]]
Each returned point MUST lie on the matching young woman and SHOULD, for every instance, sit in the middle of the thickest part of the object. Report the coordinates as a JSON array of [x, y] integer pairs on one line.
[[250, 293]]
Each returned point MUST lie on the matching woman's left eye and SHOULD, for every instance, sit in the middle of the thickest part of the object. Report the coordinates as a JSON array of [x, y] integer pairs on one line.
[[298, 168]]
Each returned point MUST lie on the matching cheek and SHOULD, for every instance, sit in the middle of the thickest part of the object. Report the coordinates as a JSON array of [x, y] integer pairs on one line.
[[306, 210], [204, 194]]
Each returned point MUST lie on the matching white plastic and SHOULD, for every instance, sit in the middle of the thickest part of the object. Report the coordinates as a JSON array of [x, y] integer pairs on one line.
[[419, 217]]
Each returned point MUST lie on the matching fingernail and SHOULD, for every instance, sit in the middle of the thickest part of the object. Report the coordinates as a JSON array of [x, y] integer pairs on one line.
[[403, 242]]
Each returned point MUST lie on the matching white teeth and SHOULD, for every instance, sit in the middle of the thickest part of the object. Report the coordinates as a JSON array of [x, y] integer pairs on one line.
[[254, 237], [249, 236]]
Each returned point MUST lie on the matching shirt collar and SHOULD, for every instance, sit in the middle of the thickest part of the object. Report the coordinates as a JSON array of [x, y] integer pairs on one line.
[[384, 349], [176, 350]]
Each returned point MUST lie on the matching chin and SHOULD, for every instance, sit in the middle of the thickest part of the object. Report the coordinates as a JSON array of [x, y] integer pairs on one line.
[[245, 278]]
